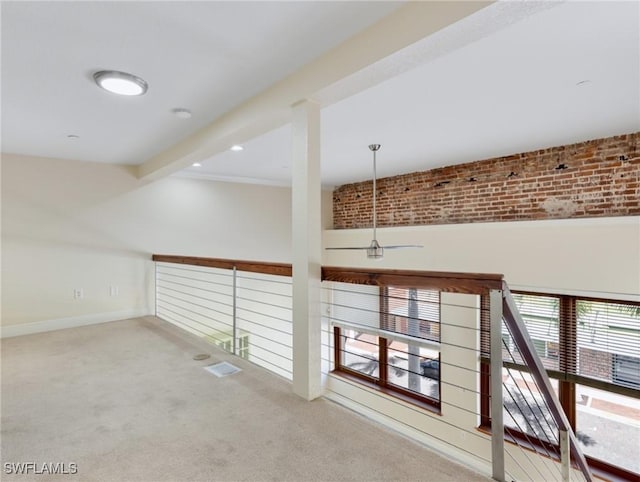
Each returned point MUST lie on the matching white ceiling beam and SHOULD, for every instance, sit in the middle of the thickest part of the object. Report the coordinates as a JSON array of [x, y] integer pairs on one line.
[[272, 107]]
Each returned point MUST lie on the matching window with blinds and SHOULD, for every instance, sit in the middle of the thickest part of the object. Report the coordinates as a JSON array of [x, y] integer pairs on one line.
[[591, 350], [389, 336], [541, 315], [412, 311], [582, 340], [608, 342]]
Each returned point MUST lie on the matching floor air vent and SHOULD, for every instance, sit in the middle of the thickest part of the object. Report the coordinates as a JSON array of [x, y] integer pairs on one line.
[[222, 369]]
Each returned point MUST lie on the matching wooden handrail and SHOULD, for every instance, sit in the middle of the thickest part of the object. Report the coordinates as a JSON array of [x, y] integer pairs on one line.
[[278, 269], [469, 283]]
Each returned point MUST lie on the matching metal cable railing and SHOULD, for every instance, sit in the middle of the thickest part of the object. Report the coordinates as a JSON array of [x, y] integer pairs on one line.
[[456, 383], [245, 313], [541, 393], [379, 352], [424, 344]]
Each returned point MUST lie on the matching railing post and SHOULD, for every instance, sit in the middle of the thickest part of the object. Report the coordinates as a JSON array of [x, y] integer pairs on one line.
[[497, 423], [235, 325], [565, 455], [518, 330], [155, 291]]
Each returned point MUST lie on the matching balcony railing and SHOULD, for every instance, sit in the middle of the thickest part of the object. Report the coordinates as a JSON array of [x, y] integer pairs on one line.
[[405, 347], [242, 307]]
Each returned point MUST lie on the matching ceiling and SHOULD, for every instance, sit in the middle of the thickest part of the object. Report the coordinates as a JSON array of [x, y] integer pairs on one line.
[[207, 57], [513, 77]]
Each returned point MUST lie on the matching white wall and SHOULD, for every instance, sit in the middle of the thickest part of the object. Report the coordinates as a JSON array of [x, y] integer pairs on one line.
[[592, 257], [70, 224]]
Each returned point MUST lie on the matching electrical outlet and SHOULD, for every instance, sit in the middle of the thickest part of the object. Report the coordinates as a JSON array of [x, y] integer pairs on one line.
[[78, 294], [114, 290]]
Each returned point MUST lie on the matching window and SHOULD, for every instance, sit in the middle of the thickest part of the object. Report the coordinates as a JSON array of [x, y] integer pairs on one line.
[[390, 339], [626, 370], [608, 427], [541, 315], [413, 312], [591, 349], [608, 342]]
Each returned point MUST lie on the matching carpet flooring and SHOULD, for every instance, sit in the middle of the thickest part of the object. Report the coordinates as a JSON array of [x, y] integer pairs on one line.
[[125, 401]]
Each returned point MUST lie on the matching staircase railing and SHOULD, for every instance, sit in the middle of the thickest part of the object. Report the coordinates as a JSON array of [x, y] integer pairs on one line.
[[518, 331]]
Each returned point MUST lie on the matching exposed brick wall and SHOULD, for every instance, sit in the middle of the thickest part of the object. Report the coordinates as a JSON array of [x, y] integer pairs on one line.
[[596, 363], [589, 179]]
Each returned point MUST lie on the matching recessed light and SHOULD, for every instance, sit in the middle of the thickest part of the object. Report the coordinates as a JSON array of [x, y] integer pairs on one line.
[[237, 148], [196, 164], [182, 113], [121, 83], [582, 82], [73, 137]]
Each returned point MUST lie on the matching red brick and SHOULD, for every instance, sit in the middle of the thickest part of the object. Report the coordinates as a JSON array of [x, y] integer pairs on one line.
[[597, 180]]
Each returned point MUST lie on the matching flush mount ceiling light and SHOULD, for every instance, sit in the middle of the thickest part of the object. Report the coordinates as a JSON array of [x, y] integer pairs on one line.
[[196, 164], [236, 148], [375, 250], [121, 83]]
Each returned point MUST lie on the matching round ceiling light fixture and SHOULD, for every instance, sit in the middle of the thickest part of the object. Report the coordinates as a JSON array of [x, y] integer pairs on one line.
[[236, 148], [121, 83]]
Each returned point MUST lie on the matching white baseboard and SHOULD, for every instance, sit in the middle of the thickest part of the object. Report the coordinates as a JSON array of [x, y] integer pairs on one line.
[[72, 322]]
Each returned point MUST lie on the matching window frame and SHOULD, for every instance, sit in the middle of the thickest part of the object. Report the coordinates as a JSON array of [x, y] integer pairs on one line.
[[381, 382], [566, 376]]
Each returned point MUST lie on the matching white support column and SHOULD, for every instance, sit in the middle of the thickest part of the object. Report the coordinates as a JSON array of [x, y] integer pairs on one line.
[[307, 249]]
